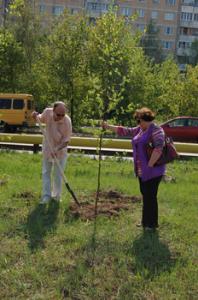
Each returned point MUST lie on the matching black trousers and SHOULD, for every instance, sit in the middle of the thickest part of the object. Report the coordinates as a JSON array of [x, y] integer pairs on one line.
[[149, 191]]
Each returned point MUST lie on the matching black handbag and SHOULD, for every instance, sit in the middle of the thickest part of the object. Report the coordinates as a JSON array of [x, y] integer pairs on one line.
[[169, 152]]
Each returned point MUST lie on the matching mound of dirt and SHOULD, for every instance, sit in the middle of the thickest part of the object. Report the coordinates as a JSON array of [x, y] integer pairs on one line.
[[110, 204]]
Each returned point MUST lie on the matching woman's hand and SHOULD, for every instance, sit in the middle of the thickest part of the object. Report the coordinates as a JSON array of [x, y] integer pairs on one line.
[[154, 157], [104, 125]]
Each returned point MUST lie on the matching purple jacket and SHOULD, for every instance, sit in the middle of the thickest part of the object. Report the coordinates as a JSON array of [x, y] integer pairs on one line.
[[139, 148]]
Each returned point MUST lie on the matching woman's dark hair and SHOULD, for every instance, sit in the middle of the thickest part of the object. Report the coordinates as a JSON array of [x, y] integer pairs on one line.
[[145, 114]]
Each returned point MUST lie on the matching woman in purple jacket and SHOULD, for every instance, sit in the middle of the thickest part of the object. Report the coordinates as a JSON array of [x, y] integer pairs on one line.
[[148, 174]]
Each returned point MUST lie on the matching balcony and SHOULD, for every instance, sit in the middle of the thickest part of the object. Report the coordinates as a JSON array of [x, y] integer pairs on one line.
[[184, 52], [96, 12], [187, 38], [189, 24], [193, 3], [97, 8], [189, 9]]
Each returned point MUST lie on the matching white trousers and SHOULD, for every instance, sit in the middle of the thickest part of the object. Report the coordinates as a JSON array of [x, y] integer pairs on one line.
[[52, 177]]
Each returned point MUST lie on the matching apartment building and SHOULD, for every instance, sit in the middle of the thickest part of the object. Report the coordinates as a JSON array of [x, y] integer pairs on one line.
[[177, 20], [163, 13], [56, 7], [188, 29], [96, 8], [47, 8]]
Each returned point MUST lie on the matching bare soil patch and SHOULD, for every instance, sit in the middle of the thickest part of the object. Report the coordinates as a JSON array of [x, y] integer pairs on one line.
[[110, 204]]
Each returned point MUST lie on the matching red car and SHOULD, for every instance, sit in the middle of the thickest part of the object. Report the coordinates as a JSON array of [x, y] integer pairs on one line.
[[182, 129]]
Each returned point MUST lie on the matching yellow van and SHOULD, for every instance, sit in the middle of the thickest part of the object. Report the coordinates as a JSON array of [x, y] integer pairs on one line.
[[15, 111]]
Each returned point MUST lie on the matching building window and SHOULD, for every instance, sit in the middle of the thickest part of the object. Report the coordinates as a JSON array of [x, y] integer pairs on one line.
[[184, 30], [171, 2], [126, 11], [57, 10], [186, 16], [191, 2], [167, 44], [141, 27], [168, 30], [195, 17], [93, 6], [184, 45], [156, 1], [74, 11], [169, 16], [154, 14], [140, 13], [41, 8], [195, 31]]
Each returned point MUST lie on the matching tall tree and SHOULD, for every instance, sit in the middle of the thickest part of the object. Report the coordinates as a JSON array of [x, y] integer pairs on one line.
[[167, 88], [188, 101], [25, 26], [11, 62], [64, 62], [112, 54]]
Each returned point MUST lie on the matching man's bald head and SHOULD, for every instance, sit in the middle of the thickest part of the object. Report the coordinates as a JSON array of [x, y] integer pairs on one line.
[[59, 109], [59, 103]]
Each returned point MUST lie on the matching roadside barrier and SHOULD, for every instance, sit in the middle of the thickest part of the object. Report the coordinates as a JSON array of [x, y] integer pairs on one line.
[[90, 143]]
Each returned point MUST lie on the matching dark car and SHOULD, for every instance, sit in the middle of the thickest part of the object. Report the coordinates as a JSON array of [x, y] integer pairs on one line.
[[182, 129]]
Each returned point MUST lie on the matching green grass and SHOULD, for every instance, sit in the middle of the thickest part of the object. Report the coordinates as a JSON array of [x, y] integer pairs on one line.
[[47, 254]]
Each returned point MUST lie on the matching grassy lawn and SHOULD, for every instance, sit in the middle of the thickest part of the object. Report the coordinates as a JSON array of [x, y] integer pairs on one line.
[[46, 253]]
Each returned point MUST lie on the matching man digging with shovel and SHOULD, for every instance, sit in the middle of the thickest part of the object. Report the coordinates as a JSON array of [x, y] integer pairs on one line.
[[56, 138]]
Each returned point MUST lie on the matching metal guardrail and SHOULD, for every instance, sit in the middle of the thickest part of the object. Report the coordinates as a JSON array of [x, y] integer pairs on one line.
[[115, 145]]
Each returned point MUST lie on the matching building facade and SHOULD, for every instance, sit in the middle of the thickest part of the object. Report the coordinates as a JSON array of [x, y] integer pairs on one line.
[[56, 7], [188, 29], [177, 20], [164, 14]]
